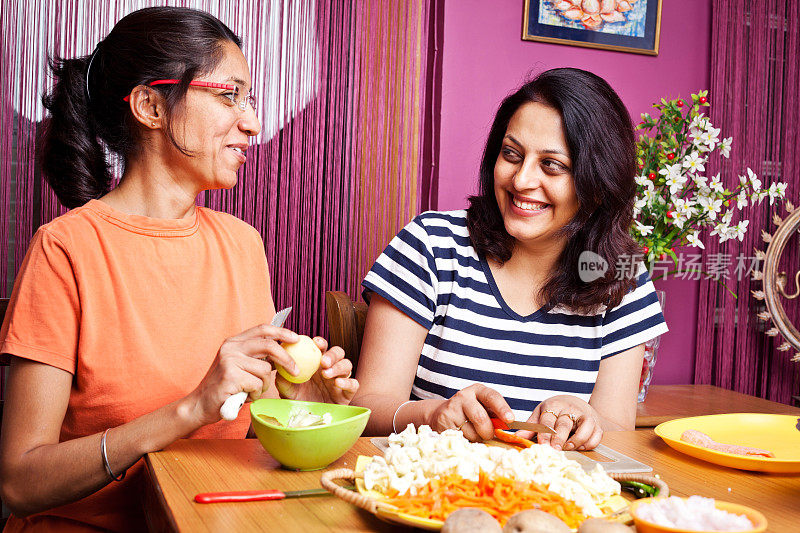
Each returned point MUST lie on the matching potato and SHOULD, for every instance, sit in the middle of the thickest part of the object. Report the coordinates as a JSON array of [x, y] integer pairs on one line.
[[469, 520], [598, 525], [535, 521], [306, 354]]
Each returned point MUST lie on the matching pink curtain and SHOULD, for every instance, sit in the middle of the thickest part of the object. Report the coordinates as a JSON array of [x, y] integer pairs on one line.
[[755, 96], [342, 164]]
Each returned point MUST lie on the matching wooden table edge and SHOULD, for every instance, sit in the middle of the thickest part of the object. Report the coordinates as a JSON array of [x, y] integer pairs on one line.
[[155, 494]]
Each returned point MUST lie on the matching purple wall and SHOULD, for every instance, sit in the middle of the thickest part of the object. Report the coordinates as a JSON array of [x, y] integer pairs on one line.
[[484, 59]]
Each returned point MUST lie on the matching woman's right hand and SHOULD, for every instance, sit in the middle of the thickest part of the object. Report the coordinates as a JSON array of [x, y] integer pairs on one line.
[[244, 363], [470, 410]]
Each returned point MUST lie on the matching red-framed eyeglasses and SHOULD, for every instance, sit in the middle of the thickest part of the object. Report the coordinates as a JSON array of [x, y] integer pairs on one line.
[[235, 98]]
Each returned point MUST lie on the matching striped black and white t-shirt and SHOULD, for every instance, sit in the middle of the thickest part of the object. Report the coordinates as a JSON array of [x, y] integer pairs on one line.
[[431, 272]]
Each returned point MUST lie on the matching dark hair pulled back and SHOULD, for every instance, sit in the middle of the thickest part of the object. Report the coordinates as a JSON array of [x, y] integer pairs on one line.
[[89, 116], [600, 137]]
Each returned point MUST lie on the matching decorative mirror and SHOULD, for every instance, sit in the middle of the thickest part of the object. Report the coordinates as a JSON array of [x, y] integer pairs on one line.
[[774, 282]]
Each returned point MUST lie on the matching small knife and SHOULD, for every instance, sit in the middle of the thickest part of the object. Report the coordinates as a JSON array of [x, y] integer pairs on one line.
[[230, 409], [258, 495], [528, 426]]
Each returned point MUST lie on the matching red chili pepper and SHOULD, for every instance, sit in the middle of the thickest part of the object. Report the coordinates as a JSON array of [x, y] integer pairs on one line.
[[510, 438]]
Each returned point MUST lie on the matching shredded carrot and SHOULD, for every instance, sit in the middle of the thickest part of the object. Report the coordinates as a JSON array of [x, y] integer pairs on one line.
[[501, 497]]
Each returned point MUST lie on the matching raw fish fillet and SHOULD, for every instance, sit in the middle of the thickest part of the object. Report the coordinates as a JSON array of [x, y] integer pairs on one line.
[[698, 438]]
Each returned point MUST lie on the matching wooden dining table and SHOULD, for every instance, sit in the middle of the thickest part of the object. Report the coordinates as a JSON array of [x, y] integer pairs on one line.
[[191, 466], [668, 402]]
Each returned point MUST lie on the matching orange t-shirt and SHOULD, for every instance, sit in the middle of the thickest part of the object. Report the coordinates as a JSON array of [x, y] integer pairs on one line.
[[136, 309]]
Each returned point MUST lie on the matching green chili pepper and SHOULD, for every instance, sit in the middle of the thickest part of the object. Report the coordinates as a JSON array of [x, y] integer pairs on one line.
[[640, 490]]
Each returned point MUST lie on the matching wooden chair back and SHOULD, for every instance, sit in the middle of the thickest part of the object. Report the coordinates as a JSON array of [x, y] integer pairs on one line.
[[346, 320]]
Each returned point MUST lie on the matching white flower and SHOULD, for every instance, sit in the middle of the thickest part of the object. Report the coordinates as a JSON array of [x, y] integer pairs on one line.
[[754, 181], [759, 196], [776, 190], [638, 206], [698, 125], [716, 184], [642, 181], [694, 162], [679, 219], [722, 230], [738, 231], [711, 206], [649, 196], [700, 181], [727, 217], [725, 147], [642, 229], [684, 207], [693, 239], [710, 137], [671, 170], [676, 183], [741, 200]]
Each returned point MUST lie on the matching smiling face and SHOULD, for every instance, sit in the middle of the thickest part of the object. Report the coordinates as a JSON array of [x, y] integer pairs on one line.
[[212, 128], [533, 181]]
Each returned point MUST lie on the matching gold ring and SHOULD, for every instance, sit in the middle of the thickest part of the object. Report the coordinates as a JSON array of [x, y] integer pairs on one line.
[[551, 412], [573, 417], [462, 425]]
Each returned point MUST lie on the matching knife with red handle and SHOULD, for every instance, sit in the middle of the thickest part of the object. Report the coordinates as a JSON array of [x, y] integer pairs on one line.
[[256, 495]]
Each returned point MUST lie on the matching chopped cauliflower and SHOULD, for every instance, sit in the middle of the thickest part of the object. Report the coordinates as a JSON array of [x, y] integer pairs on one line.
[[416, 456]]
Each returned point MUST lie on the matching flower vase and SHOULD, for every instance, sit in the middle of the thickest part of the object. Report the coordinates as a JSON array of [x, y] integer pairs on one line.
[[650, 355]]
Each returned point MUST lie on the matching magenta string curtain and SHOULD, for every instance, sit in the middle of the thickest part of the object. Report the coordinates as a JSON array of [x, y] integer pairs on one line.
[[339, 167], [755, 96]]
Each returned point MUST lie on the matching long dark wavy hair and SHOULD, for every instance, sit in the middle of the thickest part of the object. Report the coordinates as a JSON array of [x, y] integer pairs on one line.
[[600, 138], [87, 114]]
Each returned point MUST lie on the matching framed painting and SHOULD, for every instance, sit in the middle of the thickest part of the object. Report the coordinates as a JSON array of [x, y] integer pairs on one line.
[[621, 25]]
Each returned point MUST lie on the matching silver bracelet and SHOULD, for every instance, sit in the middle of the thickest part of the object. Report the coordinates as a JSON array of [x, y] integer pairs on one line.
[[105, 460], [394, 418]]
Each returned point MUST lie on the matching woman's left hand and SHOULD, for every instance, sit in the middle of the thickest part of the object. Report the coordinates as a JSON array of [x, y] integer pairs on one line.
[[331, 383], [577, 424]]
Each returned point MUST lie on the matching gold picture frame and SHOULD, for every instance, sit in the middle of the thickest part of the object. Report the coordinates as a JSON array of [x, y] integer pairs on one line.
[[635, 29]]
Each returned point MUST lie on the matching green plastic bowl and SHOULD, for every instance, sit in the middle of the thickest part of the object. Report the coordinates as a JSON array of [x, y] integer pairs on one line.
[[309, 448]]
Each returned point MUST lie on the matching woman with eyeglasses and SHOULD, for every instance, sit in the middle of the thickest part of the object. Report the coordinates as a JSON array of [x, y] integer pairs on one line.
[[137, 314]]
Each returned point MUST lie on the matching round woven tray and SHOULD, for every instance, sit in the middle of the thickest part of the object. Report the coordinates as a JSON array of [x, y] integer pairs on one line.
[[372, 505]]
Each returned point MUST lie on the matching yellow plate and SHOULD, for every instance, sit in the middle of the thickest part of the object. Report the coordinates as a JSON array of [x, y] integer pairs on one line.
[[613, 504], [776, 433], [643, 526]]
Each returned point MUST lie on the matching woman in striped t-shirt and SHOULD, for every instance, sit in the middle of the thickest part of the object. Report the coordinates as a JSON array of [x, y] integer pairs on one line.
[[528, 305]]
